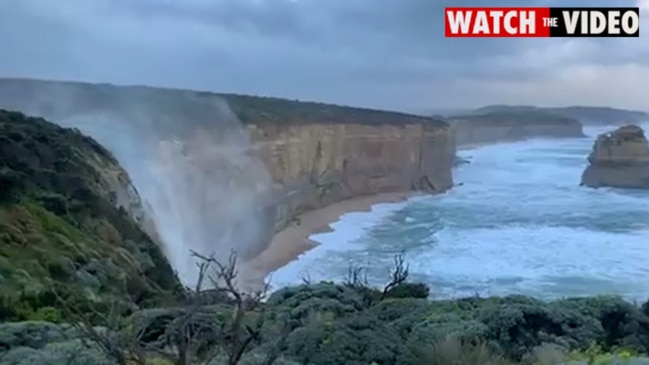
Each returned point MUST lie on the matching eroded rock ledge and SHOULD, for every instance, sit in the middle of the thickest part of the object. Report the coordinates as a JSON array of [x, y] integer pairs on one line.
[[619, 159]]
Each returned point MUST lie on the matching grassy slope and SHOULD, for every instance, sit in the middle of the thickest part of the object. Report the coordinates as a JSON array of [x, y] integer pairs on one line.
[[58, 225]]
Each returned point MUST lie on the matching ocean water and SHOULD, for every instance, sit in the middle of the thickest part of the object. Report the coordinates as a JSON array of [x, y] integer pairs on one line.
[[519, 224]]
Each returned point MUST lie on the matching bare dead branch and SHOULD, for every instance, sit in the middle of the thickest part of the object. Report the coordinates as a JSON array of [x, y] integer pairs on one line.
[[187, 335], [83, 324], [182, 334], [356, 277], [398, 275], [306, 278], [239, 336]]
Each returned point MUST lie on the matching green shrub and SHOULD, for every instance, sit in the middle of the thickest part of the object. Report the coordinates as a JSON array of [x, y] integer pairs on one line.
[[59, 228], [409, 290], [32, 334], [70, 353], [451, 350], [47, 314], [324, 324], [353, 340]]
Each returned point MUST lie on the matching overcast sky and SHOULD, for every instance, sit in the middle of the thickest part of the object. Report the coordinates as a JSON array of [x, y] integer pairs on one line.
[[390, 54]]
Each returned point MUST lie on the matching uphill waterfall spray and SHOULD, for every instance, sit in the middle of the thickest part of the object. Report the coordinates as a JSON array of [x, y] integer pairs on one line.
[[187, 154]]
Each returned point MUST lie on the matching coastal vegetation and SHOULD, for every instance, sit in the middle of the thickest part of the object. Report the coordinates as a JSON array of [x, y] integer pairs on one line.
[[585, 114], [60, 230], [82, 284], [515, 117], [177, 104], [344, 323], [262, 110]]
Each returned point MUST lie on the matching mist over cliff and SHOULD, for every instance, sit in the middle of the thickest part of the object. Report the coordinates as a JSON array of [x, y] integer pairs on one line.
[[202, 189]]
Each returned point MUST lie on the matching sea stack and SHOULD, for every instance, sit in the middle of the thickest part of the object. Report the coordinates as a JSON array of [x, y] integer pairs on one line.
[[619, 159]]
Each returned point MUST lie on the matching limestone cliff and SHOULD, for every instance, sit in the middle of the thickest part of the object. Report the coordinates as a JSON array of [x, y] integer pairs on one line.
[[317, 164], [496, 127], [283, 168], [314, 154], [619, 159]]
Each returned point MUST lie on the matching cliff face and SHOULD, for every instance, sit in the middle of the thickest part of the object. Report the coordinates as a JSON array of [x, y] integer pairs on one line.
[[619, 159], [209, 152], [279, 170], [512, 126], [318, 164]]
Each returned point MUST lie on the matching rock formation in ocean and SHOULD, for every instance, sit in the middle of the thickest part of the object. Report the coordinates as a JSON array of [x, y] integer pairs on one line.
[[230, 170], [459, 161], [619, 159]]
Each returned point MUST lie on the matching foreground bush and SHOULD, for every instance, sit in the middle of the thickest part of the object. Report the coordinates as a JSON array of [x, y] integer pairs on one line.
[[349, 323], [326, 323]]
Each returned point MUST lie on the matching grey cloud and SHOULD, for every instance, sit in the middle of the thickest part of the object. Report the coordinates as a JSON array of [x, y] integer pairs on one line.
[[380, 53]]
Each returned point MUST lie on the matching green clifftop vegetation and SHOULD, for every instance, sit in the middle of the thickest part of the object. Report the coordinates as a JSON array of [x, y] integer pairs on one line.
[[260, 110], [60, 231], [585, 114], [50, 98]]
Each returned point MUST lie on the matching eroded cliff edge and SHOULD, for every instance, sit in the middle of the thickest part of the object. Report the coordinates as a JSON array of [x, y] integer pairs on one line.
[[511, 126], [315, 154], [620, 158]]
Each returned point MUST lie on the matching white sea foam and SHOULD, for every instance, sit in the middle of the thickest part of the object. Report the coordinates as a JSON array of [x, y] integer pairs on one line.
[[520, 224]]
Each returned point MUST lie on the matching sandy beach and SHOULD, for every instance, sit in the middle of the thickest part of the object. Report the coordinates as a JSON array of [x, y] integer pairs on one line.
[[293, 241]]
